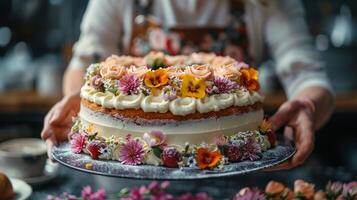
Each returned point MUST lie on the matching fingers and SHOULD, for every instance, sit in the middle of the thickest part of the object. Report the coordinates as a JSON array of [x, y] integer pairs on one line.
[[304, 140], [46, 131], [284, 114], [50, 144], [60, 113]]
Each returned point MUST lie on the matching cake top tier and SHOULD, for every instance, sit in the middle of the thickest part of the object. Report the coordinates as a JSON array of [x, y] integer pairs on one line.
[[163, 79], [197, 75]]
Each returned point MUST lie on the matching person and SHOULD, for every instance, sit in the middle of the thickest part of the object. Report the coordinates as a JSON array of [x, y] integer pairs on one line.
[[244, 29]]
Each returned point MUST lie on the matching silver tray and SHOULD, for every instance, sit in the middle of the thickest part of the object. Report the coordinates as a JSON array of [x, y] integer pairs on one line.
[[270, 158]]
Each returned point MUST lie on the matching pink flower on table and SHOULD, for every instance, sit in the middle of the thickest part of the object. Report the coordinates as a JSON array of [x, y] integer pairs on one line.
[[77, 142], [129, 84], [99, 195], [86, 192], [154, 138], [138, 71], [305, 189], [350, 189], [198, 196], [132, 152], [199, 71], [250, 194]]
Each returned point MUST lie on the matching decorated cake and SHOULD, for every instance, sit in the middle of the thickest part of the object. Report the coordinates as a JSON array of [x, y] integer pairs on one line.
[[200, 111]]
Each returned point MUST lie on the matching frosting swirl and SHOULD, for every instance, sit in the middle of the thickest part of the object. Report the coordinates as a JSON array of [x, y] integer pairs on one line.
[[154, 104]]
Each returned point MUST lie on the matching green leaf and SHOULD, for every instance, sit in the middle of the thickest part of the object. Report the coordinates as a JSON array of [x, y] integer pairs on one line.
[[92, 136], [123, 192], [222, 148], [157, 151]]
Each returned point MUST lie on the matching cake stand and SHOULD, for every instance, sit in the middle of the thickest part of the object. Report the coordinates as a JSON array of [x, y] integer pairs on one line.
[[62, 154]]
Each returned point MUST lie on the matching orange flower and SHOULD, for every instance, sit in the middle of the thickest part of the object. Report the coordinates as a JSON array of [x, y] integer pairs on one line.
[[193, 87], [156, 79], [304, 188], [274, 188], [207, 159], [249, 79], [266, 125]]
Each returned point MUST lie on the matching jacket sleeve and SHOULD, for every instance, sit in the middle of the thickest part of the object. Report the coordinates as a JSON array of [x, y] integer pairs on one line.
[[100, 32], [298, 64]]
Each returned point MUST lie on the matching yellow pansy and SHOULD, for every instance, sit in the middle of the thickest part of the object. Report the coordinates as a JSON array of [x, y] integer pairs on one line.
[[193, 87]]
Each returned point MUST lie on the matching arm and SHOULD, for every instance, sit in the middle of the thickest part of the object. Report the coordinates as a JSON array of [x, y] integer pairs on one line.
[[303, 77], [100, 32]]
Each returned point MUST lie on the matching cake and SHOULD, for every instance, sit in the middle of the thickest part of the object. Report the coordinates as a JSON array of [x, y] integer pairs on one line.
[[199, 110]]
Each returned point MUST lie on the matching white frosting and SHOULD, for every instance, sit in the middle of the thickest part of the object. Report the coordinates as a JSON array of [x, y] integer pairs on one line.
[[128, 101], [154, 104], [193, 131], [179, 106], [183, 106]]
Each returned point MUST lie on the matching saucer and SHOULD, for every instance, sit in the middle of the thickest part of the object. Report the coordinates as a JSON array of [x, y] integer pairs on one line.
[[22, 190], [50, 172]]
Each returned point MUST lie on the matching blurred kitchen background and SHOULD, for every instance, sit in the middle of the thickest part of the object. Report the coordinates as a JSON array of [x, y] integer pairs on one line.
[[36, 38]]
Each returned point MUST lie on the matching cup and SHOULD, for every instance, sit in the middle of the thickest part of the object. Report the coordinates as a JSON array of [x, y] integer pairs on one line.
[[23, 157]]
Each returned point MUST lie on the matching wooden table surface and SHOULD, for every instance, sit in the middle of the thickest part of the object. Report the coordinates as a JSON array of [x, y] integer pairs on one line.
[[22, 101]]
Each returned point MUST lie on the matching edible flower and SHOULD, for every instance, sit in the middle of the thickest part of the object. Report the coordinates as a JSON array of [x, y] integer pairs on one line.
[[111, 69], [250, 194], [274, 188], [199, 71], [207, 159], [230, 71], [154, 138], [132, 152], [129, 84], [156, 79], [222, 85], [266, 126], [304, 189], [138, 71], [193, 87], [220, 140], [77, 142], [97, 82], [249, 79]]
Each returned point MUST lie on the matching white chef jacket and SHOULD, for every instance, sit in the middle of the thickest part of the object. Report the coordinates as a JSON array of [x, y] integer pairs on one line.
[[276, 25]]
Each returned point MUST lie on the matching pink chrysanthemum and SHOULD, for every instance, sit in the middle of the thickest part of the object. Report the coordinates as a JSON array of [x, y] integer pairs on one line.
[[132, 153], [129, 84], [222, 85], [77, 142], [251, 150]]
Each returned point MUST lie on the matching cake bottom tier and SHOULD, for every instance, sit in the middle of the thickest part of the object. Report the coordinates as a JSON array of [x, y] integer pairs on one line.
[[178, 133]]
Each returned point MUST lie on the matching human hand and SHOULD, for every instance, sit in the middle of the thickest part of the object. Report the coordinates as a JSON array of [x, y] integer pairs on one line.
[[58, 121], [297, 118]]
